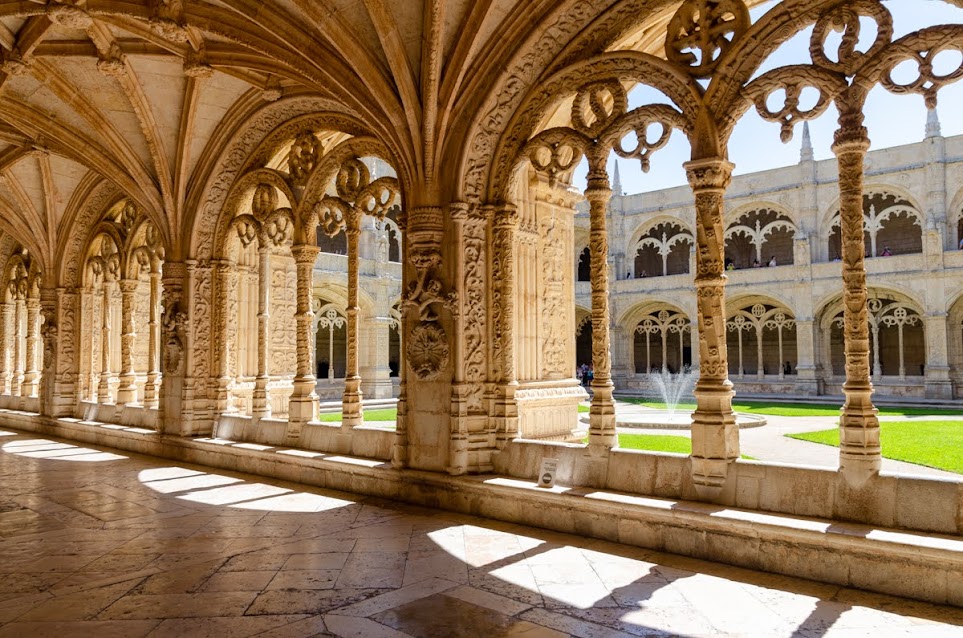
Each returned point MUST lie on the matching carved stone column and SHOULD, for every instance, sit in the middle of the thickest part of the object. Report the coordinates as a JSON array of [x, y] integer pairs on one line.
[[103, 388], [351, 410], [427, 345], [715, 437], [6, 346], [399, 448], [61, 365], [174, 344], [127, 391], [303, 404], [227, 278], [859, 449], [602, 434], [31, 375], [458, 441], [505, 221], [17, 380], [153, 346], [260, 402]]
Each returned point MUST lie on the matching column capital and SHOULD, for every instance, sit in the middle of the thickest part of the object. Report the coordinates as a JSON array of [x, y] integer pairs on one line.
[[458, 211], [129, 286], [851, 140], [505, 217], [305, 253], [709, 174]]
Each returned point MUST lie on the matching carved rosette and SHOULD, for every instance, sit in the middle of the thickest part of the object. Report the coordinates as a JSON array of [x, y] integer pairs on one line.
[[427, 351]]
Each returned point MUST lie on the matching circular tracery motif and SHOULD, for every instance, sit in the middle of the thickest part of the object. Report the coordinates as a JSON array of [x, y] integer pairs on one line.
[[598, 104], [427, 351], [352, 177], [701, 31], [846, 20]]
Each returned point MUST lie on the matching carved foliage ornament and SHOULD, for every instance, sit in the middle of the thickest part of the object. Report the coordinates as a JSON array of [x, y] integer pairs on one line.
[[701, 31]]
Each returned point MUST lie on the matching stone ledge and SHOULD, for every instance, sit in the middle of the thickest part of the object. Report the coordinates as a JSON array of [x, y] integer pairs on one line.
[[922, 566]]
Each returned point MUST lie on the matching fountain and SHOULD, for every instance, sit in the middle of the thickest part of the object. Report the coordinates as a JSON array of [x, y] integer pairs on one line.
[[673, 389]]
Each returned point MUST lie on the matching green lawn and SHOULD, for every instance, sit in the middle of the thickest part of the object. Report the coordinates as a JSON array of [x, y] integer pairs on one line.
[[936, 444], [658, 443], [798, 409], [582, 408], [386, 414]]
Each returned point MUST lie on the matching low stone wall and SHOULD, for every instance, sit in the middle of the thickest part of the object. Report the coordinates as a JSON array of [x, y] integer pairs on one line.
[[362, 441], [913, 503]]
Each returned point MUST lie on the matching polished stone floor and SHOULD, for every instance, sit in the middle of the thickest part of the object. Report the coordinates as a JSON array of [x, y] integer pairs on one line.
[[99, 543]]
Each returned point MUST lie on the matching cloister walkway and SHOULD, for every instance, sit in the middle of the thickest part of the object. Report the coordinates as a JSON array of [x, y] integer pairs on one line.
[[97, 542]]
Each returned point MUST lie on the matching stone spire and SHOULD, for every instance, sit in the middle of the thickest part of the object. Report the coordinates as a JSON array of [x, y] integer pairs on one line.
[[806, 153], [617, 181], [932, 124]]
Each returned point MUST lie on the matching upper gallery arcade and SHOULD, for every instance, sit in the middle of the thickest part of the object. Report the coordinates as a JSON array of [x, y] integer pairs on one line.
[[170, 169]]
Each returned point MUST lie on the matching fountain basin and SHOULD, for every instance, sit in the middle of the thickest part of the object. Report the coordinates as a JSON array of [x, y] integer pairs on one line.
[[665, 420]]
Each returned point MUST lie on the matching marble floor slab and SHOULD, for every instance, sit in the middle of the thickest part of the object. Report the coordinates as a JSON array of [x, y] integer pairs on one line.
[[98, 543]]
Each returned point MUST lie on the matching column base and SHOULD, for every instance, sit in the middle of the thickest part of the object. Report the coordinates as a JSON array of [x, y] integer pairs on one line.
[[352, 412]]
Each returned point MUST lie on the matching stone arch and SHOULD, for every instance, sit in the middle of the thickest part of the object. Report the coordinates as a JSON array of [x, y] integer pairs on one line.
[[661, 338], [897, 339], [760, 235], [892, 220], [660, 247], [761, 338]]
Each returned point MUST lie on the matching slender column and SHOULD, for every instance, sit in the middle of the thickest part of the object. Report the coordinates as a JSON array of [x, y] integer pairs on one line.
[[261, 405], [665, 346], [127, 391], [31, 374], [303, 404], [859, 450], [6, 346], [874, 331], [399, 447], [153, 346], [505, 222], [103, 388], [17, 347], [715, 437], [226, 272], [602, 433], [760, 373], [351, 410], [782, 372], [458, 443]]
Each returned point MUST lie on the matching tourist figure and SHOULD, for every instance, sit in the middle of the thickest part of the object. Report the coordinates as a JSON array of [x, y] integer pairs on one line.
[[787, 369], [756, 264], [886, 252], [730, 265], [772, 261]]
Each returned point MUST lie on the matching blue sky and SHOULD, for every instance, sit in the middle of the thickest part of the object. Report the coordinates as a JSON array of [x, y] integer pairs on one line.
[[892, 120]]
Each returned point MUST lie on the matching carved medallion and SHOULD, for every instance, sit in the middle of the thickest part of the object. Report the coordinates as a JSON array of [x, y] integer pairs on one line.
[[427, 350]]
